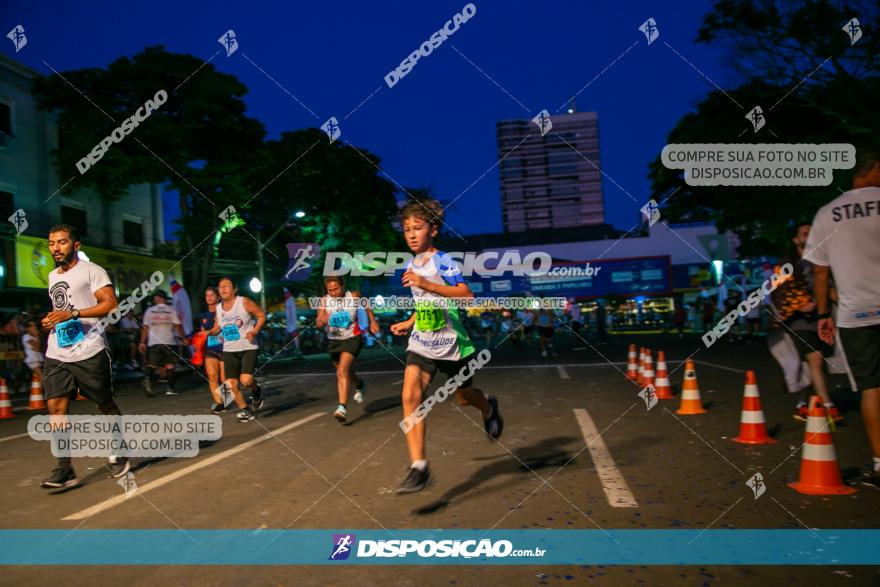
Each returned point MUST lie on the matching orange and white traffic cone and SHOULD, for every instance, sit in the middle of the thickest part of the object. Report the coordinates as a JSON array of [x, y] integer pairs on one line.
[[641, 374], [5, 402], [690, 392], [648, 378], [36, 401], [752, 428], [661, 384], [632, 367], [819, 472]]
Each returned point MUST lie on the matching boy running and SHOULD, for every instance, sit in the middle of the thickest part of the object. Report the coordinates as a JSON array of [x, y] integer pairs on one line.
[[157, 339], [438, 341], [338, 313]]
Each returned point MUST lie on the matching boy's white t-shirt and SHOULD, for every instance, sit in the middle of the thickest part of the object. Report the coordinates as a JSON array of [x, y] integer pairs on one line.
[[160, 319], [30, 355], [75, 290], [846, 237]]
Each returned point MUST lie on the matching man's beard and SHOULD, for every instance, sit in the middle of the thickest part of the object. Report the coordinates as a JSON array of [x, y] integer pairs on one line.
[[66, 260]]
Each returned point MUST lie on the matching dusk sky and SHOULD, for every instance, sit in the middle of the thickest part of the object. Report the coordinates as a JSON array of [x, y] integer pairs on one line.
[[436, 127]]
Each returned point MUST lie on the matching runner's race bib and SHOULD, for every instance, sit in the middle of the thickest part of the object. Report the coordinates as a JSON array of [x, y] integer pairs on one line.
[[340, 320], [215, 341], [429, 317], [69, 333], [230, 333]]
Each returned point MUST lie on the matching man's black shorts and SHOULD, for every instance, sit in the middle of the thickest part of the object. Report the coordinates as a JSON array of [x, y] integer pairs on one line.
[[862, 348], [237, 363], [160, 355], [351, 345], [92, 377], [808, 341], [448, 368]]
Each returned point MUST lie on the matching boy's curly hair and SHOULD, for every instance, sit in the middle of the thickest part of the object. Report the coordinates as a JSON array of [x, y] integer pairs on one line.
[[426, 209]]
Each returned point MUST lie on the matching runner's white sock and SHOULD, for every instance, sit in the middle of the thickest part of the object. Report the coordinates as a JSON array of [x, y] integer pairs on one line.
[[877, 464], [421, 465], [829, 405]]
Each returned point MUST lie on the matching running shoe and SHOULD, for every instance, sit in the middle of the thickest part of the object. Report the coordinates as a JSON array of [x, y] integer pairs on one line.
[[800, 413], [245, 415], [415, 480], [216, 408], [148, 387], [119, 466], [171, 392], [62, 476], [543, 353], [871, 478], [495, 424], [834, 415], [359, 392], [340, 413], [257, 397]]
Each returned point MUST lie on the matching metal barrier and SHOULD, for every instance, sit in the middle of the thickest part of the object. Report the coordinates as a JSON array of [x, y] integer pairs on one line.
[[12, 367]]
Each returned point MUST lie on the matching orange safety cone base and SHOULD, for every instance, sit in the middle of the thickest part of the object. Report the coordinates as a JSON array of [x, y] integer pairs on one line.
[[808, 489], [766, 440], [663, 393], [690, 410]]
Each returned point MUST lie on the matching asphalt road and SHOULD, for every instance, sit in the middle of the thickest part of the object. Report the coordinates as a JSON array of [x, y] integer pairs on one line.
[[642, 469]]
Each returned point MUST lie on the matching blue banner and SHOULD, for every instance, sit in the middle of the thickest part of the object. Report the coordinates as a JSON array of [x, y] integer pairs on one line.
[[439, 547]]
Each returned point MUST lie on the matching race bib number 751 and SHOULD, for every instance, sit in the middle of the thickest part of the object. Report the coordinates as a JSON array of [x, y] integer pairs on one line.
[[429, 317]]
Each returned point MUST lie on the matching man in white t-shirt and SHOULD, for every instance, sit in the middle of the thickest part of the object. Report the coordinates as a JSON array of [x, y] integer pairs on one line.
[[77, 358], [157, 339], [845, 237]]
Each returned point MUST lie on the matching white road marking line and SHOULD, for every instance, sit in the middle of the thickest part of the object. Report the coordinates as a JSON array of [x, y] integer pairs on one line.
[[399, 371], [397, 382], [616, 490], [13, 437], [562, 372], [155, 484], [719, 366]]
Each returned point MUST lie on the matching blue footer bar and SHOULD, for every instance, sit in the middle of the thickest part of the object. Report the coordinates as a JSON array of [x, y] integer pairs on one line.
[[439, 547]]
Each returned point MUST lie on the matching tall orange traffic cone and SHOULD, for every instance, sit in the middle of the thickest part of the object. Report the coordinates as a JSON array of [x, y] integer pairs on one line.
[[648, 378], [641, 373], [632, 367], [690, 393], [5, 402], [36, 400], [752, 428], [661, 384], [819, 472]]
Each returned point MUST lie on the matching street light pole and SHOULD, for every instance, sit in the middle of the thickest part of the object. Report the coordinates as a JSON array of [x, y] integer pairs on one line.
[[261, 273], [260, 262]]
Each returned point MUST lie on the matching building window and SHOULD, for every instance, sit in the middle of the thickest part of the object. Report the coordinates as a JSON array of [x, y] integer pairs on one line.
[[75, 217], [7, 205], [5, 119], [133, 233]]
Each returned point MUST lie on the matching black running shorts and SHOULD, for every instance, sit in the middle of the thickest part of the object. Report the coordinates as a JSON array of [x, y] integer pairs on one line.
[[237, 363], [448, 368], [351, 345], [808, 341], [91, 377], [862, 348], [159, 355]]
